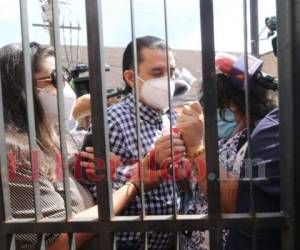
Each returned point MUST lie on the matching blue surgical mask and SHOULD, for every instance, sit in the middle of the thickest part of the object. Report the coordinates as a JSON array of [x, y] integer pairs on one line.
[[226, 128]]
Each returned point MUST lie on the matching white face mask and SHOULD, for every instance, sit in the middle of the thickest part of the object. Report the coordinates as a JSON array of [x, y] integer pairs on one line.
[[69, 98], [49, 103], [155, 92]]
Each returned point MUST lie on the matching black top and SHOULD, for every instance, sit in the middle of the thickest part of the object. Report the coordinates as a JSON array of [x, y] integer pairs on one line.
[[266, 177]]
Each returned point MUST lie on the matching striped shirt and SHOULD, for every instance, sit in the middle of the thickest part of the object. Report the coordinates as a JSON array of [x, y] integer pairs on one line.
[[51, 193]]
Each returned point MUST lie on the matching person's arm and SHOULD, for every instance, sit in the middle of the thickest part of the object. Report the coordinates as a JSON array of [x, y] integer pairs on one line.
[[62, 242], [191, 125], [228, 191], [121, 198], [228, 184]]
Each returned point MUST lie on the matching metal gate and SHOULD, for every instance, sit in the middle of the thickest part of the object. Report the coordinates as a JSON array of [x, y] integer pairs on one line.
[[288, 14]]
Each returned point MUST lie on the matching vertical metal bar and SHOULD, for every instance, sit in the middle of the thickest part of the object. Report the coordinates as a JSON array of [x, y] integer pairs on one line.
[[3, 240], [137, 111], [210, 110], [247, 102], [30, 107], [72, 242], [33, 149], [146, 240], [170, 109], [115, 244], [5, 205], [177, 246], [98, 93], [61, 117], [41, 242], [254, 27], [11, 242], [61, 108], [288, 21], [99, 117], [137, 105]]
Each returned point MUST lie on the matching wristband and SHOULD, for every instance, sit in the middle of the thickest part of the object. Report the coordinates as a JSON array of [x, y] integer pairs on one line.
[[196, 154]]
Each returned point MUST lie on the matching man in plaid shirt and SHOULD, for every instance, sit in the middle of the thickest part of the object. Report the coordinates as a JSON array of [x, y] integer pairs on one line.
[[153, 97]]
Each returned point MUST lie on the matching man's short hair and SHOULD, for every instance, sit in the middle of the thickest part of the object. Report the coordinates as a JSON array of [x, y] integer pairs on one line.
[[149, 42]]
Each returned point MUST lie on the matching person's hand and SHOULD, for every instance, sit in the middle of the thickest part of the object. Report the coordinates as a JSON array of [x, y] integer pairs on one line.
[[163, 152], [151, 177], [89, 162], [191, 126]]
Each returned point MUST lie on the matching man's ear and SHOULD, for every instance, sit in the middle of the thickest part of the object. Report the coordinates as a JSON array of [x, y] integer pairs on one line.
[[129, 77]]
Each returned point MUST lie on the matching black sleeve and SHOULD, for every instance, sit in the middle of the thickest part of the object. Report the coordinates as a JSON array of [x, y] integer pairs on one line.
[[266, 187]]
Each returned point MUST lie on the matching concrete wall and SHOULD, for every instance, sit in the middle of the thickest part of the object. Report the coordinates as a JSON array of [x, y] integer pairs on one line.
[[184, 58]]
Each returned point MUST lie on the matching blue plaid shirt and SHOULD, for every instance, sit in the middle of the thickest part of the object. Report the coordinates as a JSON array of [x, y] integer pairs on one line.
[[123, 142]]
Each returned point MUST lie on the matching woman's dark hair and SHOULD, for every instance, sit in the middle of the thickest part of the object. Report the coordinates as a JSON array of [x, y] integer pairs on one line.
[[260, 101], [149, 42], [14, 97], [39, 53]]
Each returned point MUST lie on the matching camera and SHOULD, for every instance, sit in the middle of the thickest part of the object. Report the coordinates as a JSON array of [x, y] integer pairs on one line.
[[81, 83], [271, 23]]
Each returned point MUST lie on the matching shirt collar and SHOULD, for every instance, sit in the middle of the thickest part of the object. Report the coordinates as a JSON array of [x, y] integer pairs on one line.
[[146, 113]]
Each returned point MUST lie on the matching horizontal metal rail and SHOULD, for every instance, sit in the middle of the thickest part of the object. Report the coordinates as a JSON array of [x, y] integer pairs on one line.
[[165, 223]]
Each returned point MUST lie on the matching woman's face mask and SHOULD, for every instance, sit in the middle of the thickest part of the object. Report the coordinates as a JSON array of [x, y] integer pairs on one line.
[[49, 103], [155, 92], [226, 128]]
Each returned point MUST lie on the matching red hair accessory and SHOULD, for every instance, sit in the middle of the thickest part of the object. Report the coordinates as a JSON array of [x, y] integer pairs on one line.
[[234, 67]]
